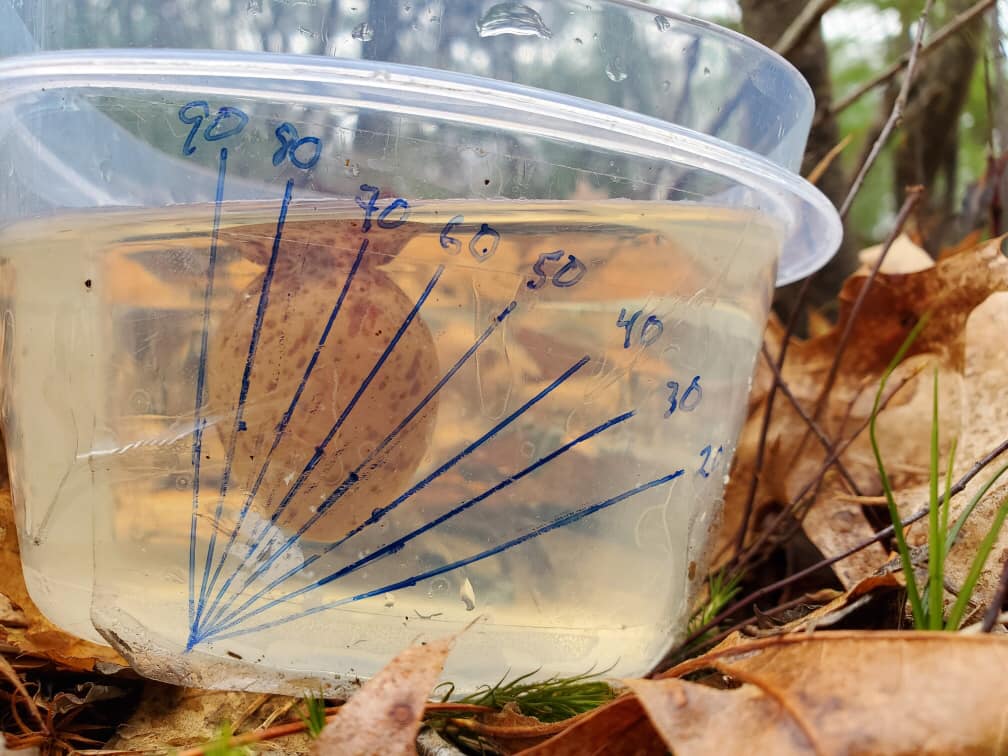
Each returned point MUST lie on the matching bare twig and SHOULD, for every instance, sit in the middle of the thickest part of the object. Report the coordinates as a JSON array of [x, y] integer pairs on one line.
[[812, 424], [893, 70], [913, 197], [830, 561], [994, 610], [894, 116], [827, 160], [6, 670], [801, 26]]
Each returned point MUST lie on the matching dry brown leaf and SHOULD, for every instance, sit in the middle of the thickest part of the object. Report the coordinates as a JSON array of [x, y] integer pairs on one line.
[[27, 630], [384, 717], [619, 728], [840, 693], [951, 290]]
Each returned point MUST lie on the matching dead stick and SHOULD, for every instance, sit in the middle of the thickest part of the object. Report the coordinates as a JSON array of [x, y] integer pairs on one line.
[[830, 561], [817, 478], [994, 610], [947, 31], [827, 444], [894, 116], [802, 25], [913, 196]]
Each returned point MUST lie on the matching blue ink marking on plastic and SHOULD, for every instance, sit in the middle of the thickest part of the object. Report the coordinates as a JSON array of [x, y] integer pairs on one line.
[[290, 143], [200, 424], [562, 521], [702, 470], [655, 327], [537, 268], [357, 474], [400, 543], [690, 397], [475, 244], [239, 421], [369, 206], [194, 120], [570, 274], [628, 324], [223, 115], [453, 245], [396, 204], [320, 449], [280, 430]]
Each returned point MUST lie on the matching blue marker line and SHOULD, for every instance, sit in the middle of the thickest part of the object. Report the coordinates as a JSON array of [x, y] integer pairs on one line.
[[400, 543], [200, 422], [280, 430], [567, 519], [320, 449], [356, 474], [239, 422]]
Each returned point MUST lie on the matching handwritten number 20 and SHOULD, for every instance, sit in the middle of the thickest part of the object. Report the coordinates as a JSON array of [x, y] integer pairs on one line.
[[227, 122]]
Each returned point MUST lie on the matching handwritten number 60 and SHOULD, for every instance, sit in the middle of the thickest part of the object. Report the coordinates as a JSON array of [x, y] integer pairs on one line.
[[227, 122]]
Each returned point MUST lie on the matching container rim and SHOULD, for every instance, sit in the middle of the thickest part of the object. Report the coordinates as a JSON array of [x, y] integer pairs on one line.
[[807, 215]]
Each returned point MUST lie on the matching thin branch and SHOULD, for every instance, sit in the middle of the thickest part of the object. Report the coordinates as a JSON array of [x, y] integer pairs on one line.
[[894, 116], [830, 561], [893, 70], [801, 26], [827, 444], [827, 160], [994, 610], [913, 197]]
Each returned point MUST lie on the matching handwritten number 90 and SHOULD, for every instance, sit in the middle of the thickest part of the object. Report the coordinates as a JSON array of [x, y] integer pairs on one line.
[[227, 122]]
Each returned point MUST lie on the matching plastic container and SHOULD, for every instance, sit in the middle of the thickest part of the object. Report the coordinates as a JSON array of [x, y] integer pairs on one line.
[[342, 325]]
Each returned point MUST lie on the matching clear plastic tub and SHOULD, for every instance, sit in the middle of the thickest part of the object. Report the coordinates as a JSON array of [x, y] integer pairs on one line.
[[449, 314]]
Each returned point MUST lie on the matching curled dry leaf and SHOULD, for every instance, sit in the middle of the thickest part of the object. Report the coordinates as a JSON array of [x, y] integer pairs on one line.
[[619, 728], [384, 717], [961, 282], [839, 693], [23, 627]]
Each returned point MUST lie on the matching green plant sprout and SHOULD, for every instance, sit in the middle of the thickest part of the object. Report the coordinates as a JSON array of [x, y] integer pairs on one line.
[[722, 587], [313, 713], [927, 605], [221, 743]]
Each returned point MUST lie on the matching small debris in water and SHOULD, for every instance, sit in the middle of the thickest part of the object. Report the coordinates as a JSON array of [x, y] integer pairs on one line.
[[662, 23], [512, 18], [389, 600], [363, 32], [615, 71], [468, 595]]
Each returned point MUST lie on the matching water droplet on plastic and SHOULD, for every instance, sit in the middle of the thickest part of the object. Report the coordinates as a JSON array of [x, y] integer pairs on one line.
[[615, 71], [468, 595], [389, 600], [363, 32], [662, 23], [666, 85], [579, 40], [512, 18], [706, 71]]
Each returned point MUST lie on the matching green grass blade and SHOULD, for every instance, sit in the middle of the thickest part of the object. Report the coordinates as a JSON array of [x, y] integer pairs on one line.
[[935, 583], [964, 515], [969, 585], [913, 594]]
